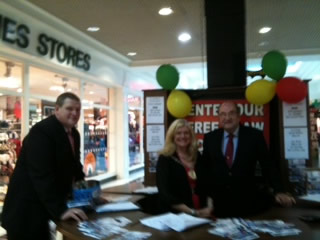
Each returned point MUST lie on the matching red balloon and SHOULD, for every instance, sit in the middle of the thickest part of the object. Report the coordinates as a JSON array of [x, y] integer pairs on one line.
[[291, 90]]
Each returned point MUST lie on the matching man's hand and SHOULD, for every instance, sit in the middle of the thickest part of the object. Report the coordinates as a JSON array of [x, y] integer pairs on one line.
[[75, 214], [284, 199]]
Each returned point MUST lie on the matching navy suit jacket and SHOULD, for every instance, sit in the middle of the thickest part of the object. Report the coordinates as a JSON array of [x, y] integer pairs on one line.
[[239, 181], [42, 179]]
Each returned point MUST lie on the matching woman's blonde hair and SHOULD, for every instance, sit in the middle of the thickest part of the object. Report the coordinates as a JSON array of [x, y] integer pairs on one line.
[[170, 146]]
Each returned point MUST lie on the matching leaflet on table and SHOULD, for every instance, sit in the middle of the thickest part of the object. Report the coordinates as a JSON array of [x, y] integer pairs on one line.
[[147, 190], [114, 207], [311, 197], [176, 222]]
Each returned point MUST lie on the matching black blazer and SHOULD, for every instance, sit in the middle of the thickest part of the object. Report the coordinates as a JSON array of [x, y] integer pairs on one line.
[[43, 176], [240, 179], [173, 184]]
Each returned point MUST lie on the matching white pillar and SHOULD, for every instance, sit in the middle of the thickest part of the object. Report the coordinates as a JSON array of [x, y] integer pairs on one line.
[[119, 133]]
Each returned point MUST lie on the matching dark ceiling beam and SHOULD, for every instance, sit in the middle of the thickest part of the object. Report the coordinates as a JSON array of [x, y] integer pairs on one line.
[[226, 50]]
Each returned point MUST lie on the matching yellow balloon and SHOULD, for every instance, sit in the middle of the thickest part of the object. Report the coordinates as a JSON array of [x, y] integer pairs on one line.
[[179, 104], [261, 91]]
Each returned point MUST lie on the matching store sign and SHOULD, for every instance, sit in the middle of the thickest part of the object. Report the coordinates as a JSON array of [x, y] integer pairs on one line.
[[18, 34]]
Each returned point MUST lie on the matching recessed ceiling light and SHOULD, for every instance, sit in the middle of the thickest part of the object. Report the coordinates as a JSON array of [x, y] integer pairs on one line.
[[165, 11], [264, 30], [184, 37], [264, 43], [93, 29], [131, 53]]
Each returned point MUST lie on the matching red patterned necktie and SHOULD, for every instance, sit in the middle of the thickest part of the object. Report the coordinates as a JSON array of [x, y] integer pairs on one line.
[[229, 150], [71, 140]]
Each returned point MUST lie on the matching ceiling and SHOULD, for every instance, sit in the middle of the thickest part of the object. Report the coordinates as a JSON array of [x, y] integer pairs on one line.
[[135, 26]]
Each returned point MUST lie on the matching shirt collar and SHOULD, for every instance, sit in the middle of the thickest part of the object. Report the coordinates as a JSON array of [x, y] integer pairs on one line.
[[235, 133]]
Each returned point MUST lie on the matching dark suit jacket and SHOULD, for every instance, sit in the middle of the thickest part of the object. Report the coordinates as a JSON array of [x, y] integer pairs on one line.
[[173, 184], [43, 176], [238, 185]]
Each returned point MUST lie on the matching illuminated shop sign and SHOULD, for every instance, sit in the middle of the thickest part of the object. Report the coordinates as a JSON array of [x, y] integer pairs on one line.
[[18, 35]]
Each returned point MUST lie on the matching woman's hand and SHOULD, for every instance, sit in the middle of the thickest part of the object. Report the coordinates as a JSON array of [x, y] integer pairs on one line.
[[205, 212]]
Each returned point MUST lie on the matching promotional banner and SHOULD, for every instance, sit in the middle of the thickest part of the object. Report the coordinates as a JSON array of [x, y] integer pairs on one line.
[[204, 116]]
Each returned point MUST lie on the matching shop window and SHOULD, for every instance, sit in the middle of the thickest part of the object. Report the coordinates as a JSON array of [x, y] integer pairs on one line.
[[96, 94], [51, 84], [96, 159], [134, 117], [10, 137], [39, 110], [10, 75]]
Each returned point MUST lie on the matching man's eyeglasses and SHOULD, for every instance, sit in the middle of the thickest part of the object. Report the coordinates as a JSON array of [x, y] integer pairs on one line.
[[229, 114]]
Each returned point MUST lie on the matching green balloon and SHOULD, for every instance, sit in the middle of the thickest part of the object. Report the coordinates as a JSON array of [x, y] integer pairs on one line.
[[274, 64], [167, 76]]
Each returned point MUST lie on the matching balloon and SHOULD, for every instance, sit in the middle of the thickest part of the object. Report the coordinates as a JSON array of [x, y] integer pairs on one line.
[[167, 76], [274, 64], [291, 90], [261, 91], [179, 104]]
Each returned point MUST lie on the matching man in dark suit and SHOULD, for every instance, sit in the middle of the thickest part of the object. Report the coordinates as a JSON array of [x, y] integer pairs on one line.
[[231, 154], [41, 183]]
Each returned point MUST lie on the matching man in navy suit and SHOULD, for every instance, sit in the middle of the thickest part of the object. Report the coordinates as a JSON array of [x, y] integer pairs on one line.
[[231, 154], [42, 180]]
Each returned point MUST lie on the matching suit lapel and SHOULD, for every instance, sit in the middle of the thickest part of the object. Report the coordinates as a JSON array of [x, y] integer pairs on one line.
[[220, 146]]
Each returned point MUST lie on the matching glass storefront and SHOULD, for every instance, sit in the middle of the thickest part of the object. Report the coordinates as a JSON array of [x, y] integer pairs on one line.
[[95, 141], [10, 119], [135, 131], [95, 129], [42, 88]]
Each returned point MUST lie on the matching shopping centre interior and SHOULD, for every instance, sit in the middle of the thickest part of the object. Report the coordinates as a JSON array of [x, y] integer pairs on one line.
[[123, 43]]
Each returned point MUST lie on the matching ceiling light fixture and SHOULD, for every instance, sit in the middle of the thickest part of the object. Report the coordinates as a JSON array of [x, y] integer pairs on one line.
[[264, 30], [93, 29], [131, 53], [57, 88], [264, 43], [184, 37], [165, 11]]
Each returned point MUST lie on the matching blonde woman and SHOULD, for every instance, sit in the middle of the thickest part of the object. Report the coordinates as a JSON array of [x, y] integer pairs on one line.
[[178, 172]]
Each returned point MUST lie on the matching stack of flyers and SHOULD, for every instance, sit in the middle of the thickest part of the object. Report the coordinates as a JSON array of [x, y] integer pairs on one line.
[[238, 228], [274, 227], [234, 232], [95, 230], [107, 227], [133, 236]]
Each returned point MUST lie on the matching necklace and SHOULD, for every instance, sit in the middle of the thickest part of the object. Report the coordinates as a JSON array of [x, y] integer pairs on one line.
[[192, 174], [189, 165]]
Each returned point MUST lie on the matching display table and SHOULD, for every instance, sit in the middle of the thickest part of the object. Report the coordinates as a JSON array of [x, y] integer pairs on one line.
[[310, 231]]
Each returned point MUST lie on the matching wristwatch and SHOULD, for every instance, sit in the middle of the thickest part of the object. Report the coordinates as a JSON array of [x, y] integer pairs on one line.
[[193, 212]]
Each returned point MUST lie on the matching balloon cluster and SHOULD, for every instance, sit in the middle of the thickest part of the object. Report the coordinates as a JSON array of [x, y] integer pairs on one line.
[[288, 89], [178, 103]]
